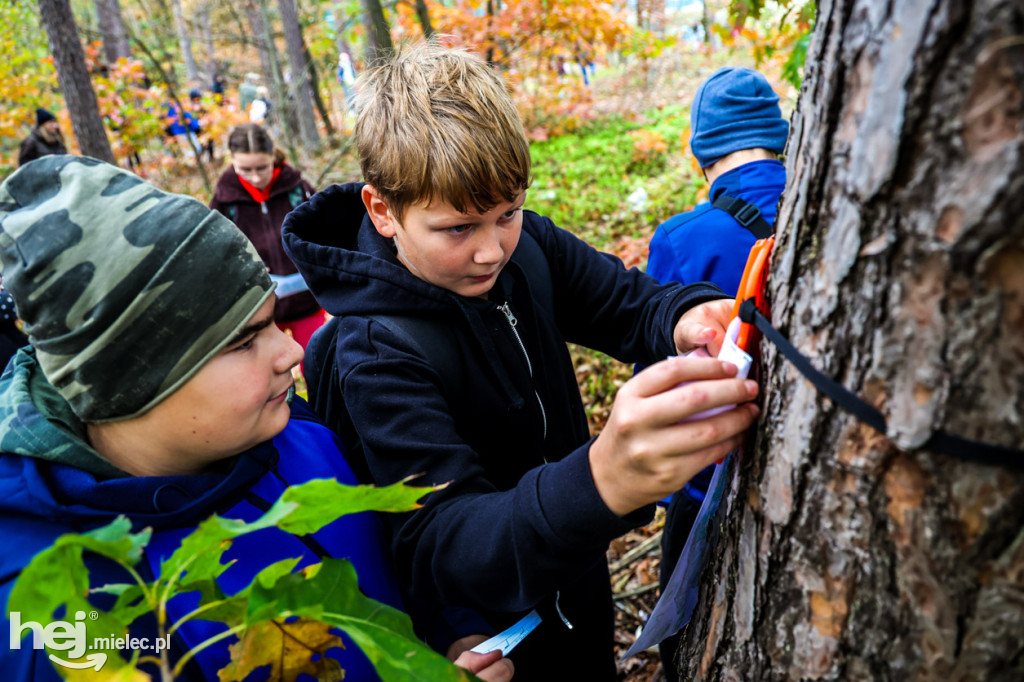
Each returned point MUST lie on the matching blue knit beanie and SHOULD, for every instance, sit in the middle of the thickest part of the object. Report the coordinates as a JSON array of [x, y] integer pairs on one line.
[[734, 109]]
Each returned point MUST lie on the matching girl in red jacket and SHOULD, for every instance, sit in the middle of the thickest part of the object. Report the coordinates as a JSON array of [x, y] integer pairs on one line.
[[256, 192]]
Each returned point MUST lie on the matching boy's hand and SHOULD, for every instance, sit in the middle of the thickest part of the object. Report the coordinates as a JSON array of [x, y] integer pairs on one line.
[[703, 325], [489, 667], [644, 452]]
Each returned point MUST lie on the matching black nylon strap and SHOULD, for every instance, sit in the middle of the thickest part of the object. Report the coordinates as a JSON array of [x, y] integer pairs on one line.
[[746, 214], [994, 455]]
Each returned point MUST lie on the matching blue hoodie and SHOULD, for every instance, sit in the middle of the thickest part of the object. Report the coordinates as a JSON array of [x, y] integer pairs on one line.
[[52, 482], [521, 525], [707, 244]]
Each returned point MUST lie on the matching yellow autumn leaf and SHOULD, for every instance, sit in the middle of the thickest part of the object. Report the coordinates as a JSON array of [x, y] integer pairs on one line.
[[287, 648]]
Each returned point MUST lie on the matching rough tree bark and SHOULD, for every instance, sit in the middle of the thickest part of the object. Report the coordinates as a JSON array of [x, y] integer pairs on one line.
[[73, 78], [844, 554], [301, 90], [111, 24]]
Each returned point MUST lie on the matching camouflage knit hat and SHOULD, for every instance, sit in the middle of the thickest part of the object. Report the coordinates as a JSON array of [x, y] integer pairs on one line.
[[126, 291]]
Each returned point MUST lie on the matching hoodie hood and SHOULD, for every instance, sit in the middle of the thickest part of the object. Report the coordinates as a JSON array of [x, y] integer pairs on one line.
[[230, 191], [349, 267]]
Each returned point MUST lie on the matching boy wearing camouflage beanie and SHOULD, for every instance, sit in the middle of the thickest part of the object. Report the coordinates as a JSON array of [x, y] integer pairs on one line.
[[156, 386]]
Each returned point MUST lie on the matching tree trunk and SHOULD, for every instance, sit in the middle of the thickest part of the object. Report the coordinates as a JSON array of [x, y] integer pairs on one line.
[[111, 24], [279, 93], [206, 30], [845, 554], [73, 78], [378, 32], [260, 38], [300, 90], [424, 16], [314, 78], [184, 42], [705, 22], [341, 21]]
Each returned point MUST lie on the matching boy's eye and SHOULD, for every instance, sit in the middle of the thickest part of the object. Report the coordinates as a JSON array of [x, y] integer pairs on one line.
[[509, 215], [458, 229], [246, 345]]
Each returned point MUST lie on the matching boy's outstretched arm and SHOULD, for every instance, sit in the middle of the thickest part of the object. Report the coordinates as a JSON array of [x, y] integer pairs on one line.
[[646, 451]]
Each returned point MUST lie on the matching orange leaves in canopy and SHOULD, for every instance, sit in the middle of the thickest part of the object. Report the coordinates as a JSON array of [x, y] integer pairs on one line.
[[540, 47]]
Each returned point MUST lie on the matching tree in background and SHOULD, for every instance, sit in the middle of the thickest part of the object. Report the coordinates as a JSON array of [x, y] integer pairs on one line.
[[846, 554], [69, 58], [378, 31], [111, 25], [300, 92], [542, 47], [184, 41]]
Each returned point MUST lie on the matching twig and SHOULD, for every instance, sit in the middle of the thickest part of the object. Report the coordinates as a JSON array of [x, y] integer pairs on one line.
[[337, 157], [634, 592], [628, 609], [646, 547]]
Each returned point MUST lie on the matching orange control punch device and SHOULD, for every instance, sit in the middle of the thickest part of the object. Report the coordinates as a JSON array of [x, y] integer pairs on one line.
[[752, 285]]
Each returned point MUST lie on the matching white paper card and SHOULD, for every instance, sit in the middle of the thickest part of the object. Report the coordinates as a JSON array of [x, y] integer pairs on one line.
[[510, 638]]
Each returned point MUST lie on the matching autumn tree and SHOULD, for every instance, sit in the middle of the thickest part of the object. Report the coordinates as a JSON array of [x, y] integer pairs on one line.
[[845, 553], [184, 41], [69, 58], [111, 25], [378, 31], [301, 89]]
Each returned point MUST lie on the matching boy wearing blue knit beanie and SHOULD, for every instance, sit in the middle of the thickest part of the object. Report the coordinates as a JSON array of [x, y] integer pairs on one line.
[[737, 133]]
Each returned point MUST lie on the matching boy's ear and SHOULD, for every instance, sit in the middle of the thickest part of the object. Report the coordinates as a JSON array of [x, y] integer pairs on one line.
[[379, 213]]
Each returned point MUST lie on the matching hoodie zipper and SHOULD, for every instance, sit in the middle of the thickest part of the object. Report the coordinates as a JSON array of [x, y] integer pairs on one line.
[[512, 322]]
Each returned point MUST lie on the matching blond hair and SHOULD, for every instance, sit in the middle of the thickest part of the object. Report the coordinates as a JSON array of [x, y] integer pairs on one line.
[[438, 123]]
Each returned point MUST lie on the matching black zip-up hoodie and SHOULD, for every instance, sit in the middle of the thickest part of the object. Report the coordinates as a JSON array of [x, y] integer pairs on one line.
[[521, 525]]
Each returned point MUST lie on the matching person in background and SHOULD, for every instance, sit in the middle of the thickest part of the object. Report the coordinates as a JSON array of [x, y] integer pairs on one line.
[[182, 129], [256, 192], [247, 91], [347, 79], [199, 114], [170, 401], [259, 110], [737, 134], [217, 89], [44, 139]]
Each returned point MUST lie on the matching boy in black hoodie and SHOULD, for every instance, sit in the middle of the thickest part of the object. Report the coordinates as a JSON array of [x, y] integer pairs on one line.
[[438, 236]]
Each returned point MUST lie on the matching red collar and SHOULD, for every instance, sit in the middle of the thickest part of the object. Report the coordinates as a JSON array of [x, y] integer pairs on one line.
[[260, 195]]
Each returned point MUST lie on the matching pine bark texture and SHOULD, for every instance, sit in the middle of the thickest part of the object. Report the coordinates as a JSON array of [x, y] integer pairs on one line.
[[73, 79], [842, 553]]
